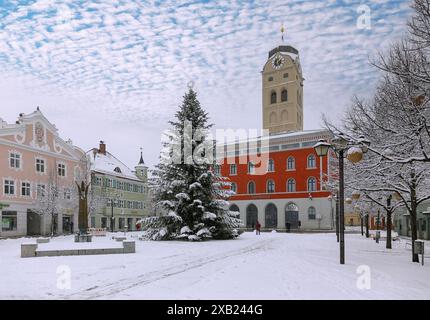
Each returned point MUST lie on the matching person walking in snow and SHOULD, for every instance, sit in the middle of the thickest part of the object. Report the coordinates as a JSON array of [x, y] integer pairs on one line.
[[257, 228]]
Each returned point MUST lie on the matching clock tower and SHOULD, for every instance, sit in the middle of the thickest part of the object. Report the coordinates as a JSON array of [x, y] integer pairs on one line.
[[282, 91]]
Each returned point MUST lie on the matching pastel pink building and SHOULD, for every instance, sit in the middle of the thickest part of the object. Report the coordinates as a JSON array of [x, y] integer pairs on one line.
[[32, 158]]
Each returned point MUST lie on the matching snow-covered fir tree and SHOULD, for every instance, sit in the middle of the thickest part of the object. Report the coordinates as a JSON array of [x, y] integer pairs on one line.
[[191, 194]]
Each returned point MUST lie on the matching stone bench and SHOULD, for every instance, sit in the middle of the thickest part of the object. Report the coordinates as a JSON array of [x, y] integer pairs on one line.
[[42, 240], [30, 250], [119, 238]]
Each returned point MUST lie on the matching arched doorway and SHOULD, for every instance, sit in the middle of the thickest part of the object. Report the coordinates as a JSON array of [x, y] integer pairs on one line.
[[234, 207], [271, 216], [251, 216], [291, 216]]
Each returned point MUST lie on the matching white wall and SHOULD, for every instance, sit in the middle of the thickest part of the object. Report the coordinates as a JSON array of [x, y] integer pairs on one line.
[[322, 206]]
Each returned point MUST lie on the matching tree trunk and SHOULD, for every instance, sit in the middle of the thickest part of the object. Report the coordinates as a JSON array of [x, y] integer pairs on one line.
[[361, 223], [414, 233], [52, 225], [367, 226], [388, 229]]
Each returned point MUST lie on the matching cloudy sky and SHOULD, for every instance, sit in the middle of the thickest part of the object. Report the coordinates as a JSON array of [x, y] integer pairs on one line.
[[117, 70]]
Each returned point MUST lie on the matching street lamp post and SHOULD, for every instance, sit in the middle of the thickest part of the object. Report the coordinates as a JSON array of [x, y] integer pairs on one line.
[[340, 145], [112, 219], [337, 216], [334, 213], [341, 208]]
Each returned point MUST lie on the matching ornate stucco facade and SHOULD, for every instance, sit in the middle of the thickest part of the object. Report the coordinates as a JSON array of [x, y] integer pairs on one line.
[[33, 157]]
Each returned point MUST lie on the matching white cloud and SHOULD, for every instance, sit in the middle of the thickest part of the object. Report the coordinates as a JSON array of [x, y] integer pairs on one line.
[[127, 64]]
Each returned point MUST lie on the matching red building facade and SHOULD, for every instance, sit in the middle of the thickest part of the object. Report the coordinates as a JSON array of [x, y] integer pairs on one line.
[[289, 195]]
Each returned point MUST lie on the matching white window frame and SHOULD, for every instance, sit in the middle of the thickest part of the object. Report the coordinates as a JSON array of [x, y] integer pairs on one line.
[[235, 187], [270, 181], [269, 162], [294, 163], [251, 168], [45, 167], [316, 184], [65, 169], [29, 189], [14, 187], [294, 184], [233, 172], [15, 152], [307, 162]]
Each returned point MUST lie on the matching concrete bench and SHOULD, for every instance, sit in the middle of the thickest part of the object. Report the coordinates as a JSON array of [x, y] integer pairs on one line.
[[119, 238], [83, 237], [42, 240], [30, 250]]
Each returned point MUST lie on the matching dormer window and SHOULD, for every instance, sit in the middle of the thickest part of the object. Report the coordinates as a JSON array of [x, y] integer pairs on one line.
[[117, 170]]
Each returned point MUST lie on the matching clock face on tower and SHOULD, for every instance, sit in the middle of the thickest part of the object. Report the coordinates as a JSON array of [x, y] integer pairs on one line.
[[277, 61]]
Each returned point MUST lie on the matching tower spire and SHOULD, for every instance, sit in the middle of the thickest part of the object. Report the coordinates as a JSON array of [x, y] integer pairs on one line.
[[282, 32], [141, 157]]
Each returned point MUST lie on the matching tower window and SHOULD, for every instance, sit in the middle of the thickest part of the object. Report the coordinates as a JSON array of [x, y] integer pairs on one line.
[[285, 75], [270, 79], [273, 97], [284, 95]]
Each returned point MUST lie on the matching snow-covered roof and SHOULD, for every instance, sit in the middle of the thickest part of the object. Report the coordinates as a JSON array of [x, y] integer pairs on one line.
[[108, 164]]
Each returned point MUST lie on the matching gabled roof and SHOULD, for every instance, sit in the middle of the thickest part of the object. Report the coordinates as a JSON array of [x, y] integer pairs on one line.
[[109, 164]]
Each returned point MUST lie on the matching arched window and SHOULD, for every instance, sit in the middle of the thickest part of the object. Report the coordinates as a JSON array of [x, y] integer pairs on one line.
[[270, 79], [311, 161], [291, 185], [312, 184], [251, 187], [233, 187], [270, 186], [251, 167], [273, 97], [271, 165], [284, 115], [273, 118], [312, 213], [284, 95], [117, 169], [234, 207], [271, 216], [251, 216], [291, 163]]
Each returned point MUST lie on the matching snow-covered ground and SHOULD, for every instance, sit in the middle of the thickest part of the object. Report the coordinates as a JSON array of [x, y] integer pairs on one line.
[[270, 266]]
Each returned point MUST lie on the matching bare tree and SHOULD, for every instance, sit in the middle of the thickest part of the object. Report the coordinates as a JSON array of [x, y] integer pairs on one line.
[[53, 198]]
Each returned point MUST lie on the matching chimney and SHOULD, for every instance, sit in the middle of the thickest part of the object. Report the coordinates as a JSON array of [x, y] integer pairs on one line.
[[102, 147]]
